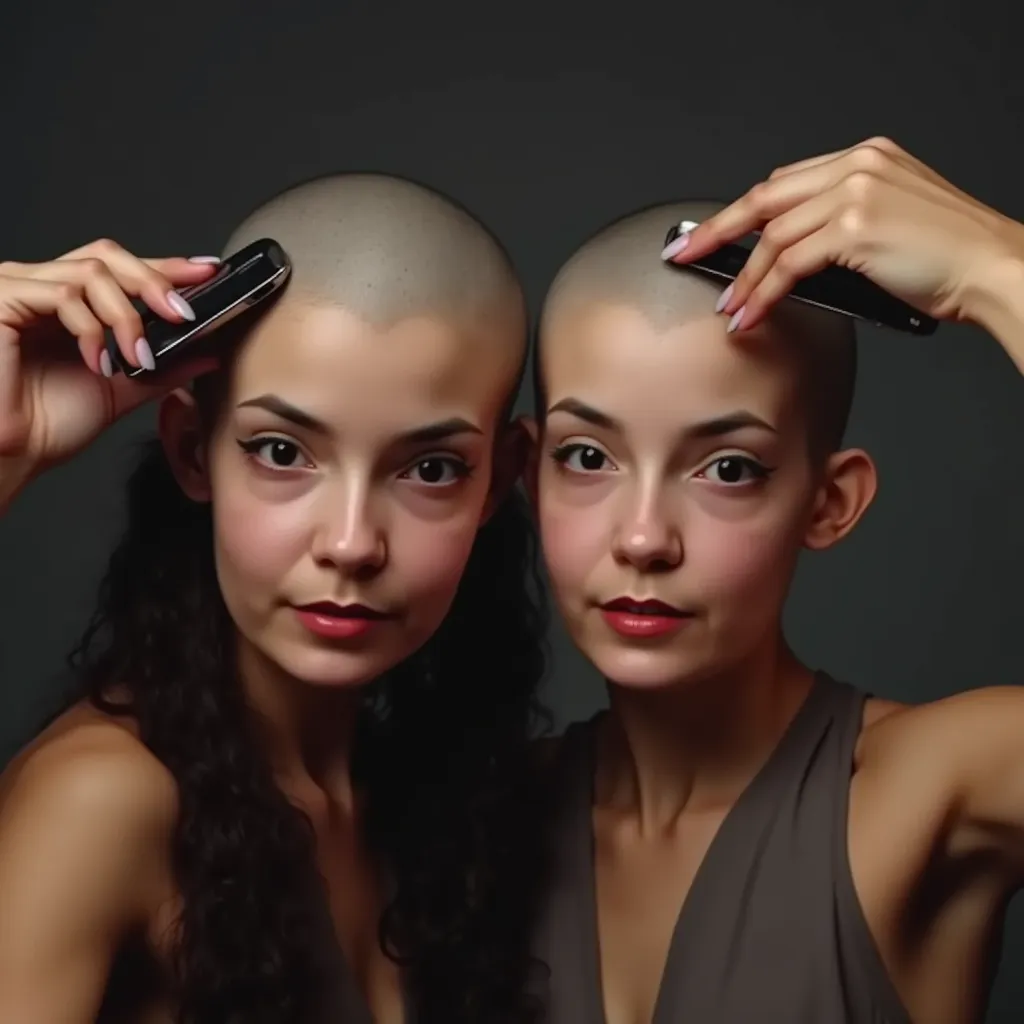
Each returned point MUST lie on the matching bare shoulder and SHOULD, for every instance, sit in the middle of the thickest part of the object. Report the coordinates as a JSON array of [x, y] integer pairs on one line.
[[87, 778], [945, 733], [87, 815]]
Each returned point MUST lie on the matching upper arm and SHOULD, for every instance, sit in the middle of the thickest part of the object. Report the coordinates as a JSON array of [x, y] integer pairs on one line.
[[968, 750], [83, 823]]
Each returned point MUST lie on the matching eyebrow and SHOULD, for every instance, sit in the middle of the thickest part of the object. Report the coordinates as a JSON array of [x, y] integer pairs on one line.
[[432, 432], [718, 426]]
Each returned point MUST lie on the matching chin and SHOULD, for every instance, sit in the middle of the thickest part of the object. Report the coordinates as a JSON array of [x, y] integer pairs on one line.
[[333, 669], [634, 669], [649, 664]]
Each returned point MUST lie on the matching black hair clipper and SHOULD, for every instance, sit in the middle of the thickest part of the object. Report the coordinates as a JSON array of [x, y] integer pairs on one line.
[[245, 279], [836, 289]]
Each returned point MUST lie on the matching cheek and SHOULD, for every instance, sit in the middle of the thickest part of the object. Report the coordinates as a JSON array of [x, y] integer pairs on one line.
[[738, 560], [429, 557], [574, 538], [257, 542]]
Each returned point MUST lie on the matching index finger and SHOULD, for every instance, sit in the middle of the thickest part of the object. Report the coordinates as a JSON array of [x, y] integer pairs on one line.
[[736, 220], [146, 278], [180, 270]]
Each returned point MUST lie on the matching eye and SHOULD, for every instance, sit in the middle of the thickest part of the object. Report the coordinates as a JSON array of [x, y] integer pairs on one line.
[[275, 452], [581, 458], [736, 469], [438, 471]]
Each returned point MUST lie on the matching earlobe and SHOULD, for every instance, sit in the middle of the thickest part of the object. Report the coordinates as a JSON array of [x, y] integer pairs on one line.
[[184, 444], [848, 487]]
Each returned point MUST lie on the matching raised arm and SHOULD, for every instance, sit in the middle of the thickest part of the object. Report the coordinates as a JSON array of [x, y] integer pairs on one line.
[[962, 757], [85, 822], [880, 211]]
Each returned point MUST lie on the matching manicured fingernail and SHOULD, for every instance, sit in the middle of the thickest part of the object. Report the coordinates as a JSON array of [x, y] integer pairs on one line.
[[204, 259], [723, 299], [180, 306], [106, 367], [145, 354], [736, 318], [676, 247]]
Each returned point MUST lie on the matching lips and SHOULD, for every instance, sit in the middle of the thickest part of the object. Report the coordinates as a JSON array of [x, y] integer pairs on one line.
[[330, 610], [631, 606]]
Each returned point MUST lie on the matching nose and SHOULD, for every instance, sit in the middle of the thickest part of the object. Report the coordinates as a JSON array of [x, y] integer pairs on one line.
[[647, 537], [351, 537]]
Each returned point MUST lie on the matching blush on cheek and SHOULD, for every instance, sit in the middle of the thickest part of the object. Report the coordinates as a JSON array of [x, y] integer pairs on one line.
[[427, 562], [258, 543], [733, 564], [574, 540]]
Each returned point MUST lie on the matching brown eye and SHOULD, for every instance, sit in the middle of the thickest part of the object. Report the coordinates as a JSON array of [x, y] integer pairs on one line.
[[735, 469], [437, 471], [280, 453], [274, 452], [581, 458]]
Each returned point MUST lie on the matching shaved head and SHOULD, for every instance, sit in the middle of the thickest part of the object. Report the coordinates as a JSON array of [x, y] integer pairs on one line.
[[620, 265], [386, 249]]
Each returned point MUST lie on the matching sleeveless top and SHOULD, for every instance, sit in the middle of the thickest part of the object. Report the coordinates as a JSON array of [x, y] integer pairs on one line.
[[346, 1003], [771, 929]]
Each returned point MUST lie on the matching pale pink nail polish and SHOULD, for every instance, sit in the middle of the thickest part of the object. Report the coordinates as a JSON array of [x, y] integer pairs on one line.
[[106, 367], [674, 248], [737, 317], [180, 306], [204, 259], [723, 299], [144, 354]]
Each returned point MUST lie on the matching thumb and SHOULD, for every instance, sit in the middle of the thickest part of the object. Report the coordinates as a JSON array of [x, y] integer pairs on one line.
[[128, 393]]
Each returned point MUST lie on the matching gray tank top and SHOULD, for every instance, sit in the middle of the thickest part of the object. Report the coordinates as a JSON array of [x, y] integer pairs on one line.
[[345, 1001], [771, 929]]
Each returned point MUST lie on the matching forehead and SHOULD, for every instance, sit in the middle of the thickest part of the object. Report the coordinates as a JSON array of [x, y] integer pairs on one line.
[[615, 358], [339, 366]]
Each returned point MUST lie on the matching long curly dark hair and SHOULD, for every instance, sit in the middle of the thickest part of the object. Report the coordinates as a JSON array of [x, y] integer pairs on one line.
[[442, 755]]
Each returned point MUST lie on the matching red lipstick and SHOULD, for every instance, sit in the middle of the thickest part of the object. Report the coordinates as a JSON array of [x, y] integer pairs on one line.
[[641, 619], [339, 622]]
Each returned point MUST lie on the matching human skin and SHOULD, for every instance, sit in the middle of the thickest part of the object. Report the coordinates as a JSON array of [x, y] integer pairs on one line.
[[647, 500], [351, 447]]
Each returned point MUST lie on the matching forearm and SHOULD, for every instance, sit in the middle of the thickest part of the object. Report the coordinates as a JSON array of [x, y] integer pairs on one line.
[[997, 301]]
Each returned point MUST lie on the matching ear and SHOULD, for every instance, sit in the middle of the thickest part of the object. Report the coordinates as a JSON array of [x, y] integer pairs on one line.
[[848, 486], [510, 453], [184, 443]]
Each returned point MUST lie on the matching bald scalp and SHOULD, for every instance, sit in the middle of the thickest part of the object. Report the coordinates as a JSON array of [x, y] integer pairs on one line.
[[387, 249], [621, 265]]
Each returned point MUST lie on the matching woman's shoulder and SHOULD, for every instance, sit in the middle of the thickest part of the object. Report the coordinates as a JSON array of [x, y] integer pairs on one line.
[[87, 815], [89, 771]]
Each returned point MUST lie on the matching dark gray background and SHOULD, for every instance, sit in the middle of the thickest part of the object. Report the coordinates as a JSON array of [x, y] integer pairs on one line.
[[161, 126]]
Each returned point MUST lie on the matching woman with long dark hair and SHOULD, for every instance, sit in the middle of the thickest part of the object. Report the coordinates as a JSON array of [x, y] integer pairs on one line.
[[310, 683]]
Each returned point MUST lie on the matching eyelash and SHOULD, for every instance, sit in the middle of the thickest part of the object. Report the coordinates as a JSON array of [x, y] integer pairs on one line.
[[562, 453], [251, 447]]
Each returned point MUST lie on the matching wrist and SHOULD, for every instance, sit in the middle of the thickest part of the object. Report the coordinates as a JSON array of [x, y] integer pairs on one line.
[[995, 299]]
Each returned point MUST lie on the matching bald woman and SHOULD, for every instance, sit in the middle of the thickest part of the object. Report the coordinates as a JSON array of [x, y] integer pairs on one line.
[[740, 837], [296, 764]]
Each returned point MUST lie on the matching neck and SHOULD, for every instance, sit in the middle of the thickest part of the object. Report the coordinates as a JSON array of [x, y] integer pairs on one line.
[[696, 745], [308, 730]]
